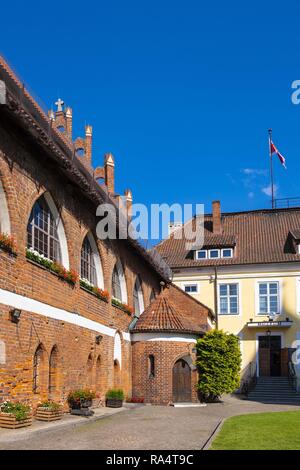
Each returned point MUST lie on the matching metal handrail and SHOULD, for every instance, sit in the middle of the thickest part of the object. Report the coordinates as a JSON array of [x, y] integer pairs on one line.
[[292, 375], [249, 378]]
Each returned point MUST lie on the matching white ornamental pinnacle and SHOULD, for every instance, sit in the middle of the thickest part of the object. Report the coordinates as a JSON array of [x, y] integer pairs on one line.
[[59, 103]]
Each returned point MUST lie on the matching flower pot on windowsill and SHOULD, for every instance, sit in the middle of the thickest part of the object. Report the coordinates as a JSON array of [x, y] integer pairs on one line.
[[114, 403], [9, 421]]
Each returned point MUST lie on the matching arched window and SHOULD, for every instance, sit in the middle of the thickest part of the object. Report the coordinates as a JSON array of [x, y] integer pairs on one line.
[[4, 215], [53, 370], [151, 366], [98, 373], [116, 285], [117, 374], [88, 268], [42, 231], [38, 366], [89, 370], [138, 300], [119, 290]]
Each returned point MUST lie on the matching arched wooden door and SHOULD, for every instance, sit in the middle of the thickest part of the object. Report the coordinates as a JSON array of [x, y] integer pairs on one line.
[[181, 381]]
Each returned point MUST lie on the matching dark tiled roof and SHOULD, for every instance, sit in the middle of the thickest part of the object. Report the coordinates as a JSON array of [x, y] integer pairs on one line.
[[262, 236], [174, 311]]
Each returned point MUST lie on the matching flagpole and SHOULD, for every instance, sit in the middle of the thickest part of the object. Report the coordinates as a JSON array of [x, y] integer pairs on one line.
[[271, 167]]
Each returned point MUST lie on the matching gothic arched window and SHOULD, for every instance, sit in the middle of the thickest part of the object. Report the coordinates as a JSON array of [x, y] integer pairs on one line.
[[42, 233], [138, 300]]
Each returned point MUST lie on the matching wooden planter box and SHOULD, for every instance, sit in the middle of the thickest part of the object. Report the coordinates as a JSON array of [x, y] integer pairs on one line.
[[114, 403], [44, 414], [8, 420]]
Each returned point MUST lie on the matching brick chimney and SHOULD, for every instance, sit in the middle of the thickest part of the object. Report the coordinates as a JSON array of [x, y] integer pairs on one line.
[[216, 216], [128, 195], [109, 170], [68, 115], [88, 144]]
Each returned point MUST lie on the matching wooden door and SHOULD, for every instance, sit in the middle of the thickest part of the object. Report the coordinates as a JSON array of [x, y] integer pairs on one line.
[[264, 362], [284, 362], [181, 382]]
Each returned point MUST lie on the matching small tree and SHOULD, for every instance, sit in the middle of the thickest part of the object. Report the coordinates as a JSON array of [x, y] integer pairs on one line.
[[218, 362]]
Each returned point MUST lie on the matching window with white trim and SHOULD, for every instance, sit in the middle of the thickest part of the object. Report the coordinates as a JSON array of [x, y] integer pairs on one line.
[[201, 254], [42, 233], [227, 253], [116, 284], [228, 299], [214, 254], [191, 288], [138, 300], [87, 265], [268, 297]]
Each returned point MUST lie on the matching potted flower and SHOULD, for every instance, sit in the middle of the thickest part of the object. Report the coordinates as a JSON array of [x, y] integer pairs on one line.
[[8, 243], [15, 415], [114, 398], [80, 401], [48, 411]]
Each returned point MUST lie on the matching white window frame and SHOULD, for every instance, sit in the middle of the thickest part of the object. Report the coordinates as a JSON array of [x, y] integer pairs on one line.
[[202, 251], [214, 257], [238, 299], [227, 257], [267, 281], [188, 284]]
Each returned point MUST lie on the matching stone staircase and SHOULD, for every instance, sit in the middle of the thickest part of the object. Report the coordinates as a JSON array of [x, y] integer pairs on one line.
[[276, 390]]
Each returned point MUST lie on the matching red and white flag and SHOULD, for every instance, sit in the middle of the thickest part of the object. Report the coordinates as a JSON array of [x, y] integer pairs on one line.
[[274, 149]]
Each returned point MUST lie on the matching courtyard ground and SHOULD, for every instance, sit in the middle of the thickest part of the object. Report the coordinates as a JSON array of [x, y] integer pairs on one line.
[[144, 427]]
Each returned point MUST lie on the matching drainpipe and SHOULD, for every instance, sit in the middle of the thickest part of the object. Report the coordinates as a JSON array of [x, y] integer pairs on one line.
[[216, 297]]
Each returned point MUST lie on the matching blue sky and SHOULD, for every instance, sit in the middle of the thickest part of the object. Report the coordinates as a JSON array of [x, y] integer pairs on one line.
[[182, 93]]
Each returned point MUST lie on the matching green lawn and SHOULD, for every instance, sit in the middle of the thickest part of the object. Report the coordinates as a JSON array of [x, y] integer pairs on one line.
[[263, 431]]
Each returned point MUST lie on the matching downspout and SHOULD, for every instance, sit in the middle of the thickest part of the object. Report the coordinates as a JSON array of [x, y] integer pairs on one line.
[[216, 297]]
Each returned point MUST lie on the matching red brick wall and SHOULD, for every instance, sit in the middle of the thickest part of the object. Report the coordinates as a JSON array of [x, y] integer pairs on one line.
[[159, 389], [25, 174]]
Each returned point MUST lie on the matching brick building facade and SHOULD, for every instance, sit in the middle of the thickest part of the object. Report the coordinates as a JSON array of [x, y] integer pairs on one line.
[[57, 332]]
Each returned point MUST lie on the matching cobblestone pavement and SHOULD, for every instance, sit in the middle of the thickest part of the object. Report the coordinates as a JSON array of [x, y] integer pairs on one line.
[[146, 427]]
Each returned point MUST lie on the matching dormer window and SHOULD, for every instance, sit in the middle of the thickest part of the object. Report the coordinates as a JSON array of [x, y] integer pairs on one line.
[[227, 253], [214, 253], [201, 254]]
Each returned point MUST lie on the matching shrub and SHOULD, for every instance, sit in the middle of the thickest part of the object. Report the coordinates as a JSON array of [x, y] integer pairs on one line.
[[80, 395], [19, 410], [115, 393], [219, 362], [50, 405]]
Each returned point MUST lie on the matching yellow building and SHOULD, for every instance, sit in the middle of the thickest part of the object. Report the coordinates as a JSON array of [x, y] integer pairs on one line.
[[248, 272]]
